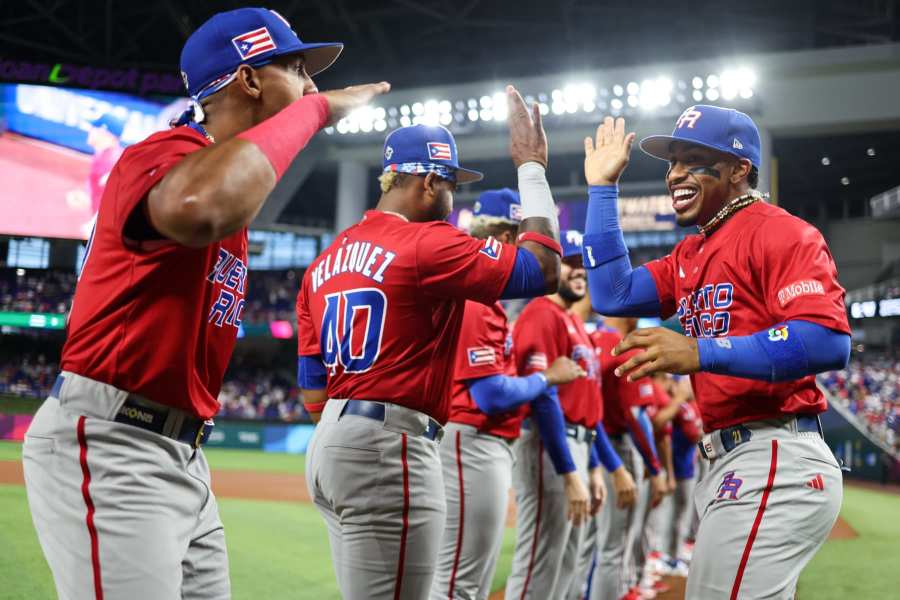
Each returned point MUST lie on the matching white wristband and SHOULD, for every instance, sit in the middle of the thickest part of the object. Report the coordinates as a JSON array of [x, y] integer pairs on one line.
[[534, 191]]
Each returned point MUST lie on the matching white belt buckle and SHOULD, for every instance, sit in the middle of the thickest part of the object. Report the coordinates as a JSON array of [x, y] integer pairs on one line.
[[708, 447]]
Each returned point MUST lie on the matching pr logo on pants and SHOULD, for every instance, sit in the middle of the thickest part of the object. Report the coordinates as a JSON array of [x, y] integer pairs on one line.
[[730, 486]]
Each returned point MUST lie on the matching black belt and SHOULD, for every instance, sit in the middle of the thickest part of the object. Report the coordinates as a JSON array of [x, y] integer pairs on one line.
[[375, 411], [576, 432], [167, 421], [734, 436]]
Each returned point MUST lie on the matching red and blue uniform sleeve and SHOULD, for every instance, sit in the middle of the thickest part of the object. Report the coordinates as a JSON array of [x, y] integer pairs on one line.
[[311, 372], [453, 264], [144, 165]]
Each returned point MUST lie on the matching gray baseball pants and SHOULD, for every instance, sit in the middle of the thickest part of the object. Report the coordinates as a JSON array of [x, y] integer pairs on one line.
[[379, 487], [477, 471], [615, 572], [120, 512], [676, 511], [547, 545], [765, 509]]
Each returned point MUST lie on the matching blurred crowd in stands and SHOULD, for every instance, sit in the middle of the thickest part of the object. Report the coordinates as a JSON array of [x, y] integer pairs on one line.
[[870, 388], [36, 290], [270, 294]]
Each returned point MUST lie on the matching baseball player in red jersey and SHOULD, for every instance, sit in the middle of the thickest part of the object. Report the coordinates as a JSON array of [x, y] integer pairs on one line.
[[117, 485], [756, 292], [379, 315], [677, 510], [616, 571], [485, 418], [556, 462]]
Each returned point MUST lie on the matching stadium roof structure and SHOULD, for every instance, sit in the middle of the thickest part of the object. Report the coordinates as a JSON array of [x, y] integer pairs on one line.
[[821, 78], [412, 42]]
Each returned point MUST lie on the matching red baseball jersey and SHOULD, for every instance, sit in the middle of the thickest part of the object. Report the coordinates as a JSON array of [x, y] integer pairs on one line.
[[546, 331], [485, 349], [619, 394], [157, 319], [661, 399], [761, 267], [383, 306]]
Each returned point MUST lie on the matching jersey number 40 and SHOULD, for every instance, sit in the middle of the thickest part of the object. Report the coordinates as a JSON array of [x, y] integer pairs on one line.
[[352, 327]]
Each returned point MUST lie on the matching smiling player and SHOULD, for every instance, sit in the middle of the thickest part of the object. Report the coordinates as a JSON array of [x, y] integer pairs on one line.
[[756, 292]]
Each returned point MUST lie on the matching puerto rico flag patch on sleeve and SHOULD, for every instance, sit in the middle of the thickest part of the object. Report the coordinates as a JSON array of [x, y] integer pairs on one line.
[[537, 361], [482, 355], [492, 248], [253, 42]]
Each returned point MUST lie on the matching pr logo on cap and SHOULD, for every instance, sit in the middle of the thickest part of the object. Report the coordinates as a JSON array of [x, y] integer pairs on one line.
[[689, 117]]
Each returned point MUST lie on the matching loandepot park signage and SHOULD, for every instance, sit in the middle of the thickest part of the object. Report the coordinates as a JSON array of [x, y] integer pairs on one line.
[[132, 81]]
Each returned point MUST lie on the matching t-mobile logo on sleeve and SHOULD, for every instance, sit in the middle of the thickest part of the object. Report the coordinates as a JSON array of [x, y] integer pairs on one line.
[[805, 287]]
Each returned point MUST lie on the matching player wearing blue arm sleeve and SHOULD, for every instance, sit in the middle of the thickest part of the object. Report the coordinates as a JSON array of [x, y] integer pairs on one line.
[[651, 460], [604, 452], [497, 394], [784, 352], [616, 289], [547, 415], [311, 373]]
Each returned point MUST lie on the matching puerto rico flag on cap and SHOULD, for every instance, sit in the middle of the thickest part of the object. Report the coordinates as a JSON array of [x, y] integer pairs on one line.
[[439, 151], [253, 43]]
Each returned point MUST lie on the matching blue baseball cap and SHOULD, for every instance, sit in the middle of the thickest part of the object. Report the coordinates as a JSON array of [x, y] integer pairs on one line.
[[501, 204], [251, 36], [723, 129], [570, 240], [421, 149]]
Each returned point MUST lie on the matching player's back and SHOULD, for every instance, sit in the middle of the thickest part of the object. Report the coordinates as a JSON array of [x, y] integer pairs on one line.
[[383, 306]]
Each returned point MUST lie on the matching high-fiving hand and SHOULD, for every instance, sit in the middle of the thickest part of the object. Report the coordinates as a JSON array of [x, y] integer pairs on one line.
[[527, 139], [606, 156], [342, 102], [665, 351]]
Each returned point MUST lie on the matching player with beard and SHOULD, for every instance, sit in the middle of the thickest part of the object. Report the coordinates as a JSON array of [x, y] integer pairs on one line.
[[556, 465]]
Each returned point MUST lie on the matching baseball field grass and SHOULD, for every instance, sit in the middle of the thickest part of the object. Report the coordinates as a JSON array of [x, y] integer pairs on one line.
[[280, 549]]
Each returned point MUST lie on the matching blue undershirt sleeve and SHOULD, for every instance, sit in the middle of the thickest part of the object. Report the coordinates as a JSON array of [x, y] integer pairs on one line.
[[526, 279], [499, 393], [606, 454], [547, 415], [787, 351], [616, 289], [646, 425], [311, 373]]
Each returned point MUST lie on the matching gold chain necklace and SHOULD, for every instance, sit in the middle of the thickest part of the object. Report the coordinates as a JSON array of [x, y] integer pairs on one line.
[[731, 207]]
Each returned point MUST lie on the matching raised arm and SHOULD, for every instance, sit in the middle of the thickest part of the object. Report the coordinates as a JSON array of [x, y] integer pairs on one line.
[[216, 191], [616, 289], [539, 229]]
